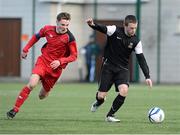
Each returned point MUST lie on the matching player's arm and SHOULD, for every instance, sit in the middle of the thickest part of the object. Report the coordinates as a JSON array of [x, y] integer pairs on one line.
[[142, 62], [109, 30], [64, 60], [31, 42], [73, 54], [72, 49]]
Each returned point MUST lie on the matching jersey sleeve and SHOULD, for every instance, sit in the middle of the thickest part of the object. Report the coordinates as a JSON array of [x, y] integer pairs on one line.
[[41, 32], [99, 27], [143, 64], [73, 54], [138, 48], [73, 50], [111, 29], [71, 37], [34, 39]]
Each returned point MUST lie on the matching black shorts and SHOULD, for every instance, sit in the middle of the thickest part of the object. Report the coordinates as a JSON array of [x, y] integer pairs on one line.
[[111, 74]]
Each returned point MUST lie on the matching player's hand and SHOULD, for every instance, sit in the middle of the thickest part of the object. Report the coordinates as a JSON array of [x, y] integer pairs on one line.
[[90, 22], [55, 64], [149, 82], [24, 55]]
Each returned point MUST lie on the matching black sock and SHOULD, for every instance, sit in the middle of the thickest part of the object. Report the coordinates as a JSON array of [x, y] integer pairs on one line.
[[99, 101], [117, 103]]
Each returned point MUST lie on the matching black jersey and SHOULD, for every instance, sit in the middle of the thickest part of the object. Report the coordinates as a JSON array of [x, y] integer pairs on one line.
[[120, 46]]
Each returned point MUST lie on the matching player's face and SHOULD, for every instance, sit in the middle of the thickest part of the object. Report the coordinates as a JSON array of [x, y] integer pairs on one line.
[[131, 29], [62, 26]]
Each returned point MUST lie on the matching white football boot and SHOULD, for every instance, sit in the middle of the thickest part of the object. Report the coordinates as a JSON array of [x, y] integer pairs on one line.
[[94, 107], [111, 119]]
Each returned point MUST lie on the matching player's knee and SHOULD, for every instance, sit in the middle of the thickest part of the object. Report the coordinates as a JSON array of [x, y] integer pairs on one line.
[[102, 95], [41, 96], [33, 81], [31, 86], [123, 90]]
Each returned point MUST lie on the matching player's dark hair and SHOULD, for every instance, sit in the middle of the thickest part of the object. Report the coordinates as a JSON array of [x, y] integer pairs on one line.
[[63, 15], [130, 19]]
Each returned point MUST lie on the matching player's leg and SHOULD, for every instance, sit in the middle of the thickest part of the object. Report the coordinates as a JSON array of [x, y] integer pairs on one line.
[[105, 84], [119, 100], [100, 97], [23, 95], [122, 85], [43, 93], [48, 82]]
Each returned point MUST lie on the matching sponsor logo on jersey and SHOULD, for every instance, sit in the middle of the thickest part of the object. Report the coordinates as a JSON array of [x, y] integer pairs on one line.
[[130, 45], [119, 38]]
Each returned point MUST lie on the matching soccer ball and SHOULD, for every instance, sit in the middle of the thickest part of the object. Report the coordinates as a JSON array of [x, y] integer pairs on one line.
[[156, 115]]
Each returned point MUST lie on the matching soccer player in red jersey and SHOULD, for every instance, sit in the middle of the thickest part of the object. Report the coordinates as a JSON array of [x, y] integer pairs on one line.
[[59, 50]]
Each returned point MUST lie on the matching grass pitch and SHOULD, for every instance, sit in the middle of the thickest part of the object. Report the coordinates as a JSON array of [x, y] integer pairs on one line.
[[67, 111]]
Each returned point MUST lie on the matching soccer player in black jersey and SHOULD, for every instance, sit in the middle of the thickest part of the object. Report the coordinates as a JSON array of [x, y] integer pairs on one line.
[[121, 41]]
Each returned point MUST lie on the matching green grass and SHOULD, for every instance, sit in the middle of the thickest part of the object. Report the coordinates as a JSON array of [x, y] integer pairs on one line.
[[66, 110]]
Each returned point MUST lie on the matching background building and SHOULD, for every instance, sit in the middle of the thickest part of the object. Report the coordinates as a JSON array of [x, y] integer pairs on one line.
[[159, 32]]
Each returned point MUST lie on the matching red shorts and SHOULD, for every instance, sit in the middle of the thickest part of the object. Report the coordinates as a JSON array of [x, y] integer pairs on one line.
[[47, 74]]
